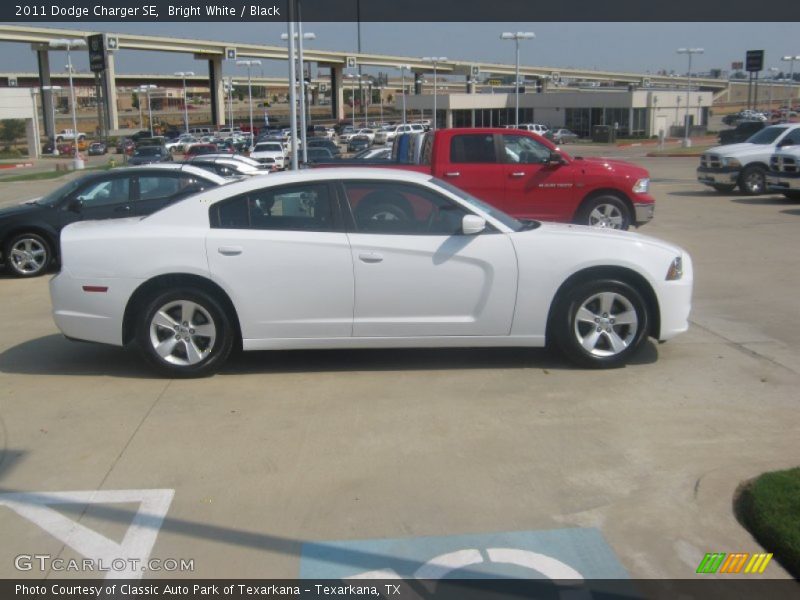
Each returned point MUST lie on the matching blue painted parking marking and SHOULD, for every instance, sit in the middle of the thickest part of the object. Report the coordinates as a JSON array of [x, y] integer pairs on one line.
[[580, 553]]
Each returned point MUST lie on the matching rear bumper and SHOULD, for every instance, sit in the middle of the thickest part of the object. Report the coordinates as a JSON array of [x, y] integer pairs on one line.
[[720, 176]]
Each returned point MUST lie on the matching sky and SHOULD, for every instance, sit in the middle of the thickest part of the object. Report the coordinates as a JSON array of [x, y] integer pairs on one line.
[[634, 47]]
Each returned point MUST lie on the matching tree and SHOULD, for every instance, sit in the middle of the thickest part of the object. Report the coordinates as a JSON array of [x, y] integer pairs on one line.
[[11, 131]]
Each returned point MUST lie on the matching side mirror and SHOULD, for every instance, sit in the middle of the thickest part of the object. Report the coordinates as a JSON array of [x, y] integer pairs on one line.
[[555, 158], [472, 224], [75, 205]]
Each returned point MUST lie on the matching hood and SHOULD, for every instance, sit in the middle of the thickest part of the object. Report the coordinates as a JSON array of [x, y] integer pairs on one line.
[[613, 165], [598, 233], [24, 208], [736, 149]]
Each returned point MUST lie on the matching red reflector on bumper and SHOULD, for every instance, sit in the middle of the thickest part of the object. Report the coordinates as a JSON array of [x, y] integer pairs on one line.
[[95, 288]]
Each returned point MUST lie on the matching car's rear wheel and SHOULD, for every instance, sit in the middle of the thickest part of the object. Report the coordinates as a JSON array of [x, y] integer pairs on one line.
[[605, 211], [184, 333], [723, 189], [753, 181], [600, 324], [27, 255]]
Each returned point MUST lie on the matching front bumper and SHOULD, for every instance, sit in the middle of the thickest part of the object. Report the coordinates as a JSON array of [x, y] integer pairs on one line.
[[781, 182], [644, 212], [718, 176], [675, 302]]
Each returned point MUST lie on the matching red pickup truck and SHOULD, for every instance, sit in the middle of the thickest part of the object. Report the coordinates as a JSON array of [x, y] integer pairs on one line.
[[526, 176]]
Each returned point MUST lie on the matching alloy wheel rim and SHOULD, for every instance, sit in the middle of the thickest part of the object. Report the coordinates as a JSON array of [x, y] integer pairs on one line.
[[606, 324], [606, 216], [28, 256], [182, 333], [755, 182]]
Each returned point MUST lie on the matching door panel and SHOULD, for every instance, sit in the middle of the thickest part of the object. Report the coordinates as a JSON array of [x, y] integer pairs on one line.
[[474, 167]]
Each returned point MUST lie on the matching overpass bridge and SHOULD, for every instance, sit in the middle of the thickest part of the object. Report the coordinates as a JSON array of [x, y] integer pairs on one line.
[[214, 52]]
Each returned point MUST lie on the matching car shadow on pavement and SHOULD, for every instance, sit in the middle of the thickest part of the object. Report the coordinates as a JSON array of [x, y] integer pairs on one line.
[[701, 193], [794, 211], [765, 200], [55, 355]]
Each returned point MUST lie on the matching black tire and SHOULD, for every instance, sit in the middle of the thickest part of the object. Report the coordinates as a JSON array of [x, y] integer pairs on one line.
[[753, 181], [569, 330], [606, 210], [36, 259], [724, 189], [212, 352], [792, 194]]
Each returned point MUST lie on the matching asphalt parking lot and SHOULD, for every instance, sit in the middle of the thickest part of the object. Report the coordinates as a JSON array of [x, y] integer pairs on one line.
[[632, 469]]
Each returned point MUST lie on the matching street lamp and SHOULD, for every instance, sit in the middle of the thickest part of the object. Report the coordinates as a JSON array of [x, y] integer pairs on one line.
[[183, 75], [403, 78], [248, 64], [68, 45], [300, 36], [519, 35], [146, 89], [773, 71], [435, 60], [790, 60], [380, 99], [228, 84], [690, 52]]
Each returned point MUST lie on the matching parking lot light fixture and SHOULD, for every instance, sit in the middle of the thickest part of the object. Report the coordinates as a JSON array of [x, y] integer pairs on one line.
[[687, 142], [403, 79], [183, 75], [435, 60], [68, 45], [146, 90], [249, 64], [299, 36], [519, 35], [791, 60]]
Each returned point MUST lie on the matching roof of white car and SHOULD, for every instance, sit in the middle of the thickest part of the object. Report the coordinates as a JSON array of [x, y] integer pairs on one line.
[[182, 167]]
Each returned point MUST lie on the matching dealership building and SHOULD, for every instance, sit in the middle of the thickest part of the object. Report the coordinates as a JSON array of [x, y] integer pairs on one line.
[[632, 112]]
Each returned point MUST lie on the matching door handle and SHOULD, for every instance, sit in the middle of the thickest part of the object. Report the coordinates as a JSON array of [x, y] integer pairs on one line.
[[452, 174], [229, 250], [124, 208], [370, 257], [518, 174]]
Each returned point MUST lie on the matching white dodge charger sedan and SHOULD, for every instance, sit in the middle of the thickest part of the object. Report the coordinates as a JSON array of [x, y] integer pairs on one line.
[[360, 258]]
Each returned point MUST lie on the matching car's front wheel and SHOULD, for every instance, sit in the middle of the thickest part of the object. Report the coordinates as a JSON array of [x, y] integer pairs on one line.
[[753, 181], [600, 324], [605, 211], [27, 255], [184, 333]]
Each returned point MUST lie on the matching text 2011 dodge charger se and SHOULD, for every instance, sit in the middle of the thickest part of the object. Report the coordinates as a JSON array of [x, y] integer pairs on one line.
[[361, 258]]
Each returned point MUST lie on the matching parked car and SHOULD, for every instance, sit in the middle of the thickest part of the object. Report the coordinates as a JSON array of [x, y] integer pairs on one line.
[[226, 166], [745, 165], [97, 149], [364, 132], [198, 149], [180, 143], [358, 143], [784, 172], [29, 232], [532, 127], [563, 136], [144, 155], [275, 151], [69, 135], [361, 258], [374, 154], [388, 135], [315, 155], [325, 143], [526, 176], [740, 133]]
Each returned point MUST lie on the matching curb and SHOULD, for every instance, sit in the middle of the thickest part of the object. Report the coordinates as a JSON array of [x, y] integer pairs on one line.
[[673, 155], [15, 166]]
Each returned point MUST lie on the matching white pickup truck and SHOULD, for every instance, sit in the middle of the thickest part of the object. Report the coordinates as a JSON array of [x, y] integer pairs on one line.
[[784, 172], [746, 165], [69, 135]]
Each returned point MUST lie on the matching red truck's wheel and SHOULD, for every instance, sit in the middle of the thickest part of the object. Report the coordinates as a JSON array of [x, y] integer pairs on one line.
[[606, 211]]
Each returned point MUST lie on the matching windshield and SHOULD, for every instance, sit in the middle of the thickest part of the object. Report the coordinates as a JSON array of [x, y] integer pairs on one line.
[[766, 135], [505, 219], [58, 193], [147, 151], [268, 148]]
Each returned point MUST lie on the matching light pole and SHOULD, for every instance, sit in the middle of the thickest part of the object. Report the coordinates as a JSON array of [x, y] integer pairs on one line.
[[248, 64], [183, 75], [790, 60], [146, 89], [300, 36], [380, 99], [68, 45], [367, 103], [403, 78], [292, 90], [772, 71], [687, 142], [229, 83], [519, 35], [435, 60]]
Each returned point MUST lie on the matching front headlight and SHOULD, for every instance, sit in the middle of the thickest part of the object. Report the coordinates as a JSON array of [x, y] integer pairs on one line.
[[675, 270], [641, 186], [731, 162]]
